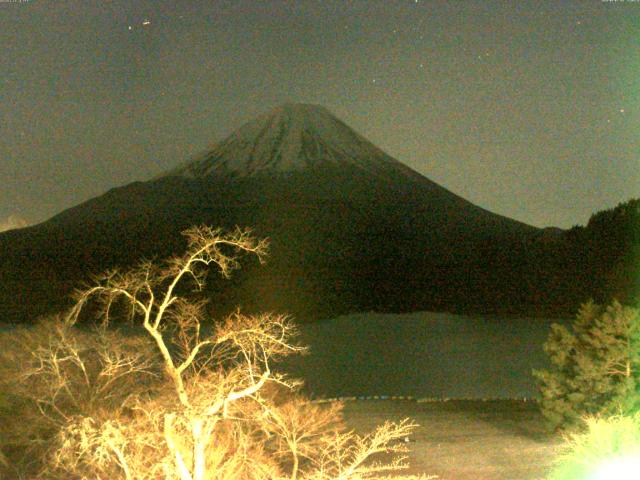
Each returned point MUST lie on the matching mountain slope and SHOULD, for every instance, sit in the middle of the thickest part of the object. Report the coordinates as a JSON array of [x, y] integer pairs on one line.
[[292, 137], [351, 229]]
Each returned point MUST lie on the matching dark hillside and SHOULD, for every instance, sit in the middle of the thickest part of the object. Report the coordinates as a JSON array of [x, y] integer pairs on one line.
[[341, 242], [351, 230]]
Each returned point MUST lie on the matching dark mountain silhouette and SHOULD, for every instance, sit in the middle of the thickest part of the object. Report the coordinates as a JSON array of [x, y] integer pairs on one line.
[[351, 229]]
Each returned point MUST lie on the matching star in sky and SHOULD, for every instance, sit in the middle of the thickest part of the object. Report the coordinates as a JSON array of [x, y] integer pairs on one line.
[[145, 23], [409, 64]]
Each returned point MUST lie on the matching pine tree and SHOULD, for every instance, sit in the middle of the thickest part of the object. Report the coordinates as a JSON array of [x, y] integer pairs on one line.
[[595, 365]]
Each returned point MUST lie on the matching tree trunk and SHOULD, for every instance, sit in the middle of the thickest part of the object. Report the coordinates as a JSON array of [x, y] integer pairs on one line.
[[199, 447], [181, 467]]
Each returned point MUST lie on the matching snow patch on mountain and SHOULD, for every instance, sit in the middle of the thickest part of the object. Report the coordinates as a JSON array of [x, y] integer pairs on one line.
[[12, 222], [292, 137]]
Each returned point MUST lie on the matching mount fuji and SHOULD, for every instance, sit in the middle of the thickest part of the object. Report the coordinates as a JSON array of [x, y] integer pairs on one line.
[[351, 229], [292, 138]]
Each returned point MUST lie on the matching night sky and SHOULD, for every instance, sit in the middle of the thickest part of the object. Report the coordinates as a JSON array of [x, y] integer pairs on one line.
[[529, 109]]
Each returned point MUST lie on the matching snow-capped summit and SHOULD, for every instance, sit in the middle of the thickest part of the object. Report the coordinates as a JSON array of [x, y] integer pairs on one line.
[[291, 137]]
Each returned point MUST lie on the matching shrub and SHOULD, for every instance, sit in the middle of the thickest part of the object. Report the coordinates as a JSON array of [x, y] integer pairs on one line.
[[595, 365], [609, 449], [52, 373]]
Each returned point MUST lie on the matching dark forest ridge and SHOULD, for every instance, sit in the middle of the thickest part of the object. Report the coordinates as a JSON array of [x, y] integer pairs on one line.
[[351, 230]]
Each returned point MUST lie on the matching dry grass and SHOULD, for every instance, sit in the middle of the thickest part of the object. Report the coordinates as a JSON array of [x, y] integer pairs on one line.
[[467, 440]]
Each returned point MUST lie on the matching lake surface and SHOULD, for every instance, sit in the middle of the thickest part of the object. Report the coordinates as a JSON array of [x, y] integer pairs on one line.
[[433, 355], [422, 355]]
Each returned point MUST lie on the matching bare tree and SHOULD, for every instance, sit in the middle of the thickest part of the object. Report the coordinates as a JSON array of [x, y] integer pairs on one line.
[[301, 428], [215, 410], [54, 374]]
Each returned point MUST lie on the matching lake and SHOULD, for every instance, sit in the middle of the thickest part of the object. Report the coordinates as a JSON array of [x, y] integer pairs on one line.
[[425, 354]]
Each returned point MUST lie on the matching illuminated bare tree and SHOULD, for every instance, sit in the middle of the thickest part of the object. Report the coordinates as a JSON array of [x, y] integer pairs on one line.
[[248, 344], [301, 428], [54, 375], [159, 310], [346, 456], [214, 410]]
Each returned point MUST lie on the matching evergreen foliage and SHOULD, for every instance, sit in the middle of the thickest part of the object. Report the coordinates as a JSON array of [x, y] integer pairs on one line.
[[609, 449], [595, 365]]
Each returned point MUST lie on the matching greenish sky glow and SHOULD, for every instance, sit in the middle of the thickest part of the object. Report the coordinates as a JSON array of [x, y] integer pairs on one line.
[[529, 109]]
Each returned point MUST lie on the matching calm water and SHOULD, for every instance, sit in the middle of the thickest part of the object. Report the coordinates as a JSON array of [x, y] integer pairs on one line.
[[422, 355], [434, 355]]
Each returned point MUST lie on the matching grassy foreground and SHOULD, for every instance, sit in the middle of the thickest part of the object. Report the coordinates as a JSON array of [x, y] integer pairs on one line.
[[467, 439]]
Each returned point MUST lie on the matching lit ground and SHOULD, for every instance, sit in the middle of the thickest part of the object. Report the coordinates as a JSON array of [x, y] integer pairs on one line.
[[440, 355], [467, 440], [444, 356]]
